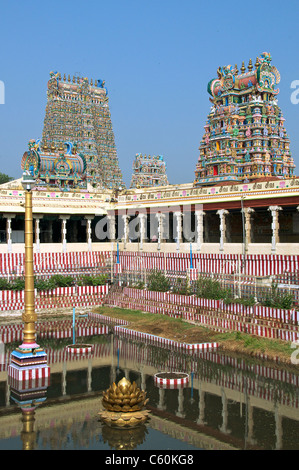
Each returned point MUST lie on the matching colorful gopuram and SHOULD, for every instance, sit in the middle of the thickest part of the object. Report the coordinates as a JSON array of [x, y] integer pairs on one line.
[[148, 171], [62, 168], [245, 138], [77, 111]]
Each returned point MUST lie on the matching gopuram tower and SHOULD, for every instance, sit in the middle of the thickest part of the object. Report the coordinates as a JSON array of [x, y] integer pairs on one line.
[[245, 137], [148, 171], [77, 112]]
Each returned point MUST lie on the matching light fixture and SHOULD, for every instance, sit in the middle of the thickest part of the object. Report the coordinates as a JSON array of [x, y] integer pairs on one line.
[[28, 181]]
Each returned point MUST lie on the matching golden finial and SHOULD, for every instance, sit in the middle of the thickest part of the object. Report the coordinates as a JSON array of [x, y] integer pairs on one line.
[[95, 83], [236, 70], [69, 78], [74, 79], [243, 67], [78, 79], [91, 81], [250, 67], [257, 63], [59, 76], [64, 78]]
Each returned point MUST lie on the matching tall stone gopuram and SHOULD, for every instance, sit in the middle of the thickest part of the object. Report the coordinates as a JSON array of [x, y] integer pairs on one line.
[[77, 111], [245, 138]]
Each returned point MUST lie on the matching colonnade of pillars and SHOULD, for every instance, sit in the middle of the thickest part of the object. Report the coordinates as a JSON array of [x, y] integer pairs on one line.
[[49, 239], [200, 234], [246, 212]]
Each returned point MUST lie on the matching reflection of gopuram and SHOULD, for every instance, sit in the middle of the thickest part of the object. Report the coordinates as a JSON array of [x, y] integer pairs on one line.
[[244, 136], [77, 111], [148, 171]]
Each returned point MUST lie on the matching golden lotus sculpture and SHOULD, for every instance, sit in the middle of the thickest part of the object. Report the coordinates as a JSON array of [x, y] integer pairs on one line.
[[124, 405]]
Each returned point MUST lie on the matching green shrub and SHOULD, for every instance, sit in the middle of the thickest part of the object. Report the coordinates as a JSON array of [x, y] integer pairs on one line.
[[58, 280], [44, 284], [139, 285], [209, 288], [181, 286], [279, 299], [18, 284], [157, 281], [4, 284], [99, 280]]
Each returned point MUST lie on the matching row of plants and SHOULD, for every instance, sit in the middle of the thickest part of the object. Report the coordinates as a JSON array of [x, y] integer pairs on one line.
[[57, 280], [209, 288]]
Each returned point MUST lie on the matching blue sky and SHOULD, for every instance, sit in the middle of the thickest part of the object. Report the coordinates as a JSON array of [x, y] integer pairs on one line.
[[156, 58]]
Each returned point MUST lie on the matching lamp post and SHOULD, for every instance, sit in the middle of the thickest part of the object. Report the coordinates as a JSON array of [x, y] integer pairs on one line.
[[29, 354], [29, 316]]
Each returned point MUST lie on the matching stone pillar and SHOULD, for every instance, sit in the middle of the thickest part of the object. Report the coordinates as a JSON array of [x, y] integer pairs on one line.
[[64, 370], [88, 218], [111, 225], [178, 216], [199, 228], [224, 428], [247, 211], [161, 404], [201, 415], [126, 230], [9, 217], [143, 380], [222, 213], [250, 423], [160, 218], [278, 428], [37, 218], [180, 411], [142, 219], [113, 374], [275, 226], [89, 376], [64, 219]]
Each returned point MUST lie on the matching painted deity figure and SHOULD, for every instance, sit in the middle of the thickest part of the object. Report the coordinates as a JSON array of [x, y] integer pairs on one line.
[[235, 131]]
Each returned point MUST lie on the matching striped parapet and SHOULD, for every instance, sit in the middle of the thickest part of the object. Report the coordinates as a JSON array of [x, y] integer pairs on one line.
[[164, 342], [32, 374], [171, 380], [106, 319], [80, 349]]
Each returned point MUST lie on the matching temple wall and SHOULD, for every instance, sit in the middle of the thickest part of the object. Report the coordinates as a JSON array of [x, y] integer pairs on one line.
[[229, 248]]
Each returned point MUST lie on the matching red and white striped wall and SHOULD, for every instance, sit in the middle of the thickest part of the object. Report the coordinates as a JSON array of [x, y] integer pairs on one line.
[[33, 374], [164, 342], [171, 383], [258, 265]]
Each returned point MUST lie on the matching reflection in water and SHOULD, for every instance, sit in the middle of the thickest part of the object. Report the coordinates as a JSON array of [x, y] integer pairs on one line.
[[228, 403], [28, 395], [124, 439]]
